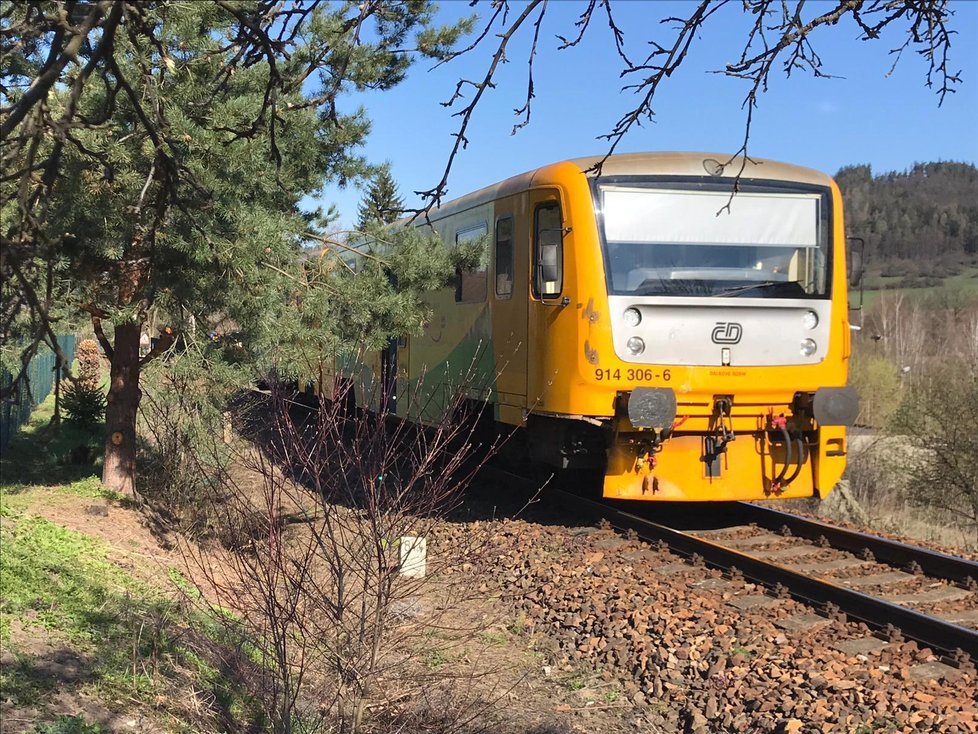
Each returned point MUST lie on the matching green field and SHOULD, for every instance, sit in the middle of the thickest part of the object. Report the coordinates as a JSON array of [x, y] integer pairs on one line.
[[965, 283]]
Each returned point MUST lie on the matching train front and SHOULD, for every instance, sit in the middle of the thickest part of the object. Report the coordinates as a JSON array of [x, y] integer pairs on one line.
[[727, 317]]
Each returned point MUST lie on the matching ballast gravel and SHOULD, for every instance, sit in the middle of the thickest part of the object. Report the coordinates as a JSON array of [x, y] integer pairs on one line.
[[699, 653]]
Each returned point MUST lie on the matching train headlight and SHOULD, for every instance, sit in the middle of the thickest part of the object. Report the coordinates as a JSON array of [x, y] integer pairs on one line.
[[808, 347], [632, 316], [810, 319], [635, 345]]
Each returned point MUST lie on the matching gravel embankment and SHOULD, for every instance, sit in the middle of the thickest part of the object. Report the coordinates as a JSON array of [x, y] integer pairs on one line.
[[696, 652]]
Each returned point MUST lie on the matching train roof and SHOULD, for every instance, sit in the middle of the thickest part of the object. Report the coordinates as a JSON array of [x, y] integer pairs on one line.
[[700, 164], [637, 164]]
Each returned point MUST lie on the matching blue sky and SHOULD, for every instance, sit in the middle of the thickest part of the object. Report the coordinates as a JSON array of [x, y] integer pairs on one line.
[[867, 115]]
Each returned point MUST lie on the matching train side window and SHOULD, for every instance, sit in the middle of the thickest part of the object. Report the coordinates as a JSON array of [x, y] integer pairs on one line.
[[471, 285], [504, 257], [548, 251]]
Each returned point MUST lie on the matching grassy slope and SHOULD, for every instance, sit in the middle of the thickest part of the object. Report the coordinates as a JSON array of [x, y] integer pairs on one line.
[[75, 627]]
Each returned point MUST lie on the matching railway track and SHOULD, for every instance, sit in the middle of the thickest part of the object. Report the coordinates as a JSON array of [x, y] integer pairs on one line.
[[885, 550], [929, 597]]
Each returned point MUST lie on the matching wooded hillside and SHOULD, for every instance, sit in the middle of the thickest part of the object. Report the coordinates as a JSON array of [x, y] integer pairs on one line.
[[928, 214]]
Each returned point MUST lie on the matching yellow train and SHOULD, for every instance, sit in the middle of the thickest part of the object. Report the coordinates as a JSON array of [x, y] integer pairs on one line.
[[689, 344]]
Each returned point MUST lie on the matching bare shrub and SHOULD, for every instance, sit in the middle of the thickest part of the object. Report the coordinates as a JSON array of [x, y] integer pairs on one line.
[[903, 324], [877, 381], [916, 474], [870, 475], [912, 330], [940, 420], [968, 339], [182, 456], [310, 575], [878, 491]]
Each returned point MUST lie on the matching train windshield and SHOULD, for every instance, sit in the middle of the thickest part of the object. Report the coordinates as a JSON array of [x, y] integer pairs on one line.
[[770, 243]]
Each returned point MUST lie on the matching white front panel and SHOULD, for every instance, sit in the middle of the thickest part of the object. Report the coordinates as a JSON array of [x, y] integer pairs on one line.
[[756, 332], [671, 216]]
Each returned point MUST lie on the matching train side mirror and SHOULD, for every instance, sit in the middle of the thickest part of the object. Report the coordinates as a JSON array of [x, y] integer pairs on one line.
[[856, 249], [549, 263]]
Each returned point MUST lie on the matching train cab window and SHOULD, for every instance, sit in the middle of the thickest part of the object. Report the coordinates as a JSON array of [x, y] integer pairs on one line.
[[670, 239], [470, 284], [548, 251], [504, 257]]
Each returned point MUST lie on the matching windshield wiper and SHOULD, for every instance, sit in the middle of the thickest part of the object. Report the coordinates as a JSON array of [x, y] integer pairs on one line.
[[761, 285], [664, 287]]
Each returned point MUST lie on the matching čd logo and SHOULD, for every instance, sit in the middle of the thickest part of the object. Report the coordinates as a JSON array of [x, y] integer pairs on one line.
[[727, 332]]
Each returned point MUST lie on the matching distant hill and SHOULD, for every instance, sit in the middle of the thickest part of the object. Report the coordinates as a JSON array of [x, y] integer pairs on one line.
[[925, 216]]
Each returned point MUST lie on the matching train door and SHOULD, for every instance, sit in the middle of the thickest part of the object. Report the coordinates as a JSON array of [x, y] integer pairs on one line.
[[509, 295], [545, 260]]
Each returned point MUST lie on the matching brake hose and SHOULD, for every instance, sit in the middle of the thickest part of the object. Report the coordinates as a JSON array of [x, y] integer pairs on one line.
[[782, 423], [802, 458]]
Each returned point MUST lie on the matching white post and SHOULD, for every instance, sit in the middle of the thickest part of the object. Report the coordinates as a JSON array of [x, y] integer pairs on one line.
[[414, 553]]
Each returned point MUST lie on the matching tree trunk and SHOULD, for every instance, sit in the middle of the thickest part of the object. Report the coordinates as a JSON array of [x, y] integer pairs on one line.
[[119, 471]]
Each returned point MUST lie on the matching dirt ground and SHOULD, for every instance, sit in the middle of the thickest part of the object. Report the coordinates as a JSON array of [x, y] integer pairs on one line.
[[480, 672], [540, 625]]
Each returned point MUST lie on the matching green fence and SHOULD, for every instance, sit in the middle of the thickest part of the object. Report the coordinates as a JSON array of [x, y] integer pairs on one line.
[[37, 385]]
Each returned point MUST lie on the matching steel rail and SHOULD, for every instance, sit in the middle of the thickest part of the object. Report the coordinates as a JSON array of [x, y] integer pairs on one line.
[[878, 613], [893, 552]]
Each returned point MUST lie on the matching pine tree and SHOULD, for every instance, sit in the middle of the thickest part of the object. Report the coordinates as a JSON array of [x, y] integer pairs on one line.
[[157, 154], [381, 203]]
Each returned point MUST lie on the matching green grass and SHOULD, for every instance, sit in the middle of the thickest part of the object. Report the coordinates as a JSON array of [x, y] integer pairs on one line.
[[494, 639], [964, 284], [61, 595], [43, 454], [59, 580], [69, 725], [518, 625], [575, 682], [132, 642], [434, 658]]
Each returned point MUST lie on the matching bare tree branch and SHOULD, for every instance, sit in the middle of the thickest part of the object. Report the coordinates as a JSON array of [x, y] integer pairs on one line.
[[58, 59], [434, 195], [780, 37]]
